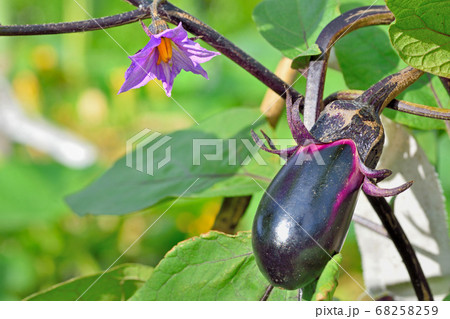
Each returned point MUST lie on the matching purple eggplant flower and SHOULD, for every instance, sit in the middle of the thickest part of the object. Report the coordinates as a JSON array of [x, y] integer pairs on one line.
[[163, 58]]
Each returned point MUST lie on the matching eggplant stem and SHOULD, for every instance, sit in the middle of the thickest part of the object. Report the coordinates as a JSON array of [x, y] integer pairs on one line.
[[398, 105], [336, 29], [383, 92]]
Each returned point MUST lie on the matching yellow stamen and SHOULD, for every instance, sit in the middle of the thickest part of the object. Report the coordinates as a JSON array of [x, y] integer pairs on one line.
[[165, 50]]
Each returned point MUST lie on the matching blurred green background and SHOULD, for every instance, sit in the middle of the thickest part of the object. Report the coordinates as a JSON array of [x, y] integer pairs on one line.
[[72, 80]]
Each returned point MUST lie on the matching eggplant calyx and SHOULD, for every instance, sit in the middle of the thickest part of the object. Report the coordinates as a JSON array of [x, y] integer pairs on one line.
[[373, 190], [378, 175], [286, 153], [299, 131]]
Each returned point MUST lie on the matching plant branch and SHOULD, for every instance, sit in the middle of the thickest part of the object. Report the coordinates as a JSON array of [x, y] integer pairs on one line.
[[379, 95], [231, 211], [137, 3], [336, 29], [370, 225], [76, 26], [403, 246], [171, 14], [398, 105], [267, 293]]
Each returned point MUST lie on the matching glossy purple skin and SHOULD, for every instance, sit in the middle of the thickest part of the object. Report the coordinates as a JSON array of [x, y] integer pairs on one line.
[[303, 218]]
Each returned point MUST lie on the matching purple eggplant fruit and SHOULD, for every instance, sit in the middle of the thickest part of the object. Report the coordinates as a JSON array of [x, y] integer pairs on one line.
[[305, 213]]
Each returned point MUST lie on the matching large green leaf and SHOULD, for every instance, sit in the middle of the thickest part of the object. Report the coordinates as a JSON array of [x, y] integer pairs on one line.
[[421, 34], [366, 56], [292, 26], [118, 283], [214, 266], [124, 189]]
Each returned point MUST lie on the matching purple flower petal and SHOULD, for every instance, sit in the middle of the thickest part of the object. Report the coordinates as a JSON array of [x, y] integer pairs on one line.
[[137, 74], [182, 60], [186, 54], [177, 34], [166, 74]]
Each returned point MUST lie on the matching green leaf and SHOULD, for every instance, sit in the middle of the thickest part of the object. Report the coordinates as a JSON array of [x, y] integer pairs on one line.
[[447, 298], [118, 283], [124, 189], [421, 34], [366, 56], [214, 266], [292, 26], [302, 60], [328, 280]]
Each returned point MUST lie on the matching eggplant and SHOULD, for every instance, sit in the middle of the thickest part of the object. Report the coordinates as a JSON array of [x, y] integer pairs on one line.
[[291, 243], [305, 213]]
